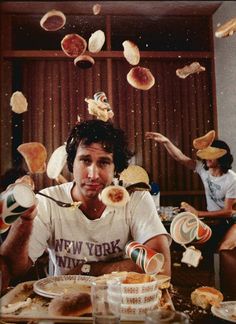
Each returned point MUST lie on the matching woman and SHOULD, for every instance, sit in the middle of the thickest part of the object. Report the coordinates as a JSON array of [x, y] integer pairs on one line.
[[218, 179]]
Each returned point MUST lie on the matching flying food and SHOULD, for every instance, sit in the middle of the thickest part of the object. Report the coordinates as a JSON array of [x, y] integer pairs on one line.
[[18, 102], [114, 195], [194, 67], [96, 41], [131, 52], [99, 106], [84, 61], [140, 78], [35, 156], [204, 141], [53, 20], [73, 45], [227, 29]]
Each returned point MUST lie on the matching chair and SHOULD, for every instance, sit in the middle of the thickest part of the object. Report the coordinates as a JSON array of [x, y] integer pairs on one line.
[[227, 273]]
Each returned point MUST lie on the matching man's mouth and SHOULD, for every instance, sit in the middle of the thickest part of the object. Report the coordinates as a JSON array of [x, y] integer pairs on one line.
[[93, 186]]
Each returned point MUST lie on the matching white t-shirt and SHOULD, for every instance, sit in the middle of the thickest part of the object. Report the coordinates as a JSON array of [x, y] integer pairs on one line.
[[217, 188], [72, 238]]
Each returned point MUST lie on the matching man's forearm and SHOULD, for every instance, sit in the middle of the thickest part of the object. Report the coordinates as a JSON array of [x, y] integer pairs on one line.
[[100, 268], [15, 247]]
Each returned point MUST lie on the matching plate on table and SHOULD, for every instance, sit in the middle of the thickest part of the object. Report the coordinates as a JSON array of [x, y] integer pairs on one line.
[[226, 311], [51, 287]]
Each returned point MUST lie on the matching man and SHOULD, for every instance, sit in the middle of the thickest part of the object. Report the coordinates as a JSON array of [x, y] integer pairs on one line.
[[218, 180], [91, 239]]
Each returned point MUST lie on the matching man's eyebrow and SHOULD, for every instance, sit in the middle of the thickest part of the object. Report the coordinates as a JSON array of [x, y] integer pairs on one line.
[[84, 156], [105, 158]]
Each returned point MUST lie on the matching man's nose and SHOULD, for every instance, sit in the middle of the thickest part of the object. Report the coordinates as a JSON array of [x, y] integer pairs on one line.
[[93, 171]]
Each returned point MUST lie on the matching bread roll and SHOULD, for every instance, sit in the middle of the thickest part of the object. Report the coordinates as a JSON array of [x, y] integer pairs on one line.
[[35, 155], [116, 196], [140, 78], [96, 41], [84, 61], [205, 297], [211, 153], [226, 29], [74, 304], [18, 102], [131, 52], [204, 141], [57, 162], [97, 9], [134, 174], [73, 45], [53, 20]]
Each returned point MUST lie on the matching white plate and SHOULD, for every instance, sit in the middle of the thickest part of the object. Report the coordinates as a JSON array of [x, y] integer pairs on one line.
[[51, 287], [225, 311]]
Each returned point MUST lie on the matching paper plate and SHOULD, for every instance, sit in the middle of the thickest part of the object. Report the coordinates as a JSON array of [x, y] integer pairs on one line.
[[56, 162], [226, 311], [55, 286], [134, 174]]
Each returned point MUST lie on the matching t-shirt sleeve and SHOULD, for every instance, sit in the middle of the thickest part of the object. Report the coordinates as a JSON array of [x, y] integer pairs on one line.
[[199, 167], [41, 231], [145, 222], [231, 192]]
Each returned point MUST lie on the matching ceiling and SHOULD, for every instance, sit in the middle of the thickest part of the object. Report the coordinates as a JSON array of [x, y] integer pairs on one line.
[[154, 8]]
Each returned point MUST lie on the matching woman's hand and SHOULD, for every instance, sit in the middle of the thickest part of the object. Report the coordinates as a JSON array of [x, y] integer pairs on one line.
[[158, 137], [189, 208]]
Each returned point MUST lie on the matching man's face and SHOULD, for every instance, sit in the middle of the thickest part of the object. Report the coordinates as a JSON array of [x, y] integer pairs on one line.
[[93, 169]]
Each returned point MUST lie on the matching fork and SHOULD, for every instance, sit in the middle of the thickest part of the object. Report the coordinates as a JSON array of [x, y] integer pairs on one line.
[[58, 202]]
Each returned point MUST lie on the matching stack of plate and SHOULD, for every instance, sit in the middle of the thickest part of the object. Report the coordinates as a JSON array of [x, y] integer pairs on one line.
[[52, 287], [137, 299]]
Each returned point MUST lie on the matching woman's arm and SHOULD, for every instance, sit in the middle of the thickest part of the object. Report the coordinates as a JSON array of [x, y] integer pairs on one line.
[[225, 212], [173, 150]]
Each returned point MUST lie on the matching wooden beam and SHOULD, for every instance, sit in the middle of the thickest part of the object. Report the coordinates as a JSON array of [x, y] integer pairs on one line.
[[155, 8], [103, 54]]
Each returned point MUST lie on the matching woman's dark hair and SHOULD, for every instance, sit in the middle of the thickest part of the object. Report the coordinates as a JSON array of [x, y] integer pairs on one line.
[[112, 139], [225, 162]]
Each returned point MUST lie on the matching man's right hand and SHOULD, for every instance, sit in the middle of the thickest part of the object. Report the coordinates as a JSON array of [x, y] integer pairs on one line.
[[30, 213], [27, 180]]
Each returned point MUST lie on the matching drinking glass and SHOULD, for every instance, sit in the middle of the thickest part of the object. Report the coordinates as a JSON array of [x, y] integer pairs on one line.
[[166, 317], [106, 302]]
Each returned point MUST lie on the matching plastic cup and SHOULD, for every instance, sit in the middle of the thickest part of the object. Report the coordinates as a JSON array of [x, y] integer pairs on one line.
[[147, 259], [106, 310]]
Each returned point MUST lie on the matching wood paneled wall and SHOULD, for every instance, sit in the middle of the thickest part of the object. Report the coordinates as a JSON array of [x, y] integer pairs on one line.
[[180, 109]]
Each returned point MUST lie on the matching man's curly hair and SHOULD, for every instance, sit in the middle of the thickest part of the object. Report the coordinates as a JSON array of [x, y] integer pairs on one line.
[[225, 162], [112, 139]]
